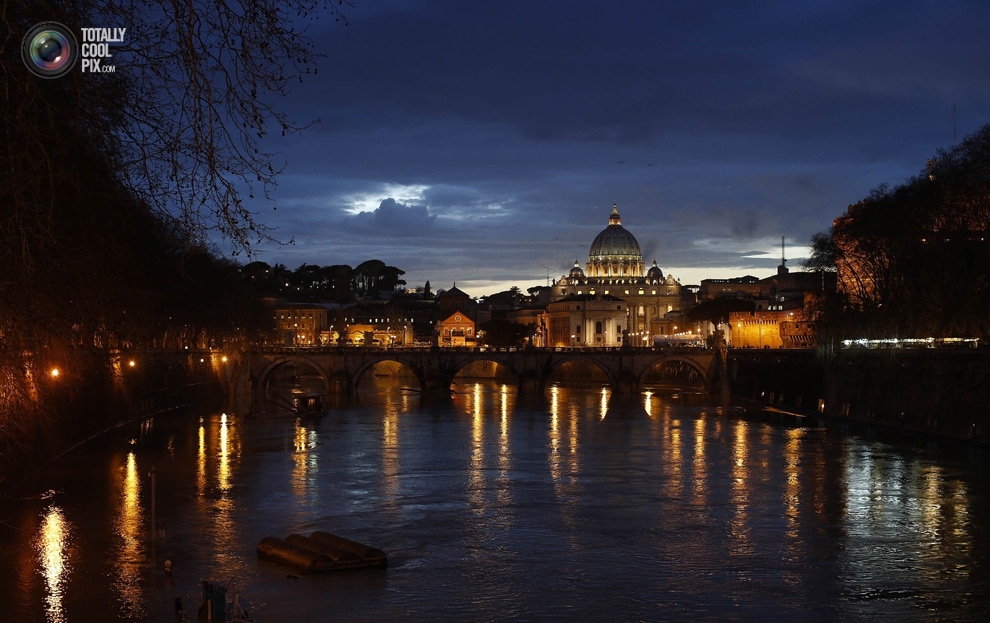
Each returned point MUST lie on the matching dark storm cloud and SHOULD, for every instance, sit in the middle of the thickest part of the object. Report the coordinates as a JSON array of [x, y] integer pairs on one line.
[[743, 223], [503, 132], [392, 219]]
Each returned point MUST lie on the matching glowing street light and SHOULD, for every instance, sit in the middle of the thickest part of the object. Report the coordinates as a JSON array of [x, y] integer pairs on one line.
[[55, 372]]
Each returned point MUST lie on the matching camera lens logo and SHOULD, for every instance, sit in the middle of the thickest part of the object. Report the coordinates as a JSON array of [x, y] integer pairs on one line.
[[49, 50]]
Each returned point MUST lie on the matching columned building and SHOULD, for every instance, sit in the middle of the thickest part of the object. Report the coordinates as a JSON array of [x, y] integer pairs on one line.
[[586, 320], [615, 268]]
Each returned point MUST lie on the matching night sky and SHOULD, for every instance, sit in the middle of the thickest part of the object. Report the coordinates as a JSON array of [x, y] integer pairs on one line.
[[485, 142]]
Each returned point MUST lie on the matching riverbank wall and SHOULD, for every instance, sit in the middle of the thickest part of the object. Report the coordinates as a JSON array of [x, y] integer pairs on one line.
[[929, 392], [92, 393]]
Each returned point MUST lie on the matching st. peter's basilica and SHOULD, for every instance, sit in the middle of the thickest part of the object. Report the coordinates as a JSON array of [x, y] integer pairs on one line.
[[614, 296]]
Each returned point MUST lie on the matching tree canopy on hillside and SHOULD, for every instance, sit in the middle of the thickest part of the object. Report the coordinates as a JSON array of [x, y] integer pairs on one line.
[[115, 186], [914, 260]]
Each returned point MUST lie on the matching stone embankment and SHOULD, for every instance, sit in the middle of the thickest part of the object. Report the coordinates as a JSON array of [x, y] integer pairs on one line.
[[932, 392], [91, 394]]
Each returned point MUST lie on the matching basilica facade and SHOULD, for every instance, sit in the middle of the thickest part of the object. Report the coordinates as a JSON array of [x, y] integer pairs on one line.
[[614, 298]]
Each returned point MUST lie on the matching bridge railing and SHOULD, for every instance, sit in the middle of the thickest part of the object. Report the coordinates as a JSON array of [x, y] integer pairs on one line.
[[316, 349]]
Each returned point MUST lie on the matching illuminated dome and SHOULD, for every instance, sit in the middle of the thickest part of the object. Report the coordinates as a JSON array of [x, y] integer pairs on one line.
[[576, 272], [654, 275], [615, 252]]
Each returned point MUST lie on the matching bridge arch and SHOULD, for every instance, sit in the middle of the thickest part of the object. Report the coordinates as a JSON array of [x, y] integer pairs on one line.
[[509, 372], [369, 365], [703, 376], [263, 390], [612, 377]]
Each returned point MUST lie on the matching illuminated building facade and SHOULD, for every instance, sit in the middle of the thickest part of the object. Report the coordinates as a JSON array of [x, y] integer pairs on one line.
[[456, 330], [781, 328], [615, 268], [586, 320], [301, 324]]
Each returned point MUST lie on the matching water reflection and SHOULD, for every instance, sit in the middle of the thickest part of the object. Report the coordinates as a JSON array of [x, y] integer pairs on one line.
[[661, 511], [792, 481], [673, 455], [306, 465], [129, 530], [563, 440], [911, 503], [739, 530], [700, 463], [52, 545], [201, 463], [504, 489], [224, 527], [390, 449], [223, 460], [489, 404], [476, 470], [217, 455]]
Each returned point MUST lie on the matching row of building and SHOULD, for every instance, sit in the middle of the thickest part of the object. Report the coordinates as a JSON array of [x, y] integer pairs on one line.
[[613, 301]]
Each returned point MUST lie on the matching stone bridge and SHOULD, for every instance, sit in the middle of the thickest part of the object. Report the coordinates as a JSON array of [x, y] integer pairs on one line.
[[531, 369]]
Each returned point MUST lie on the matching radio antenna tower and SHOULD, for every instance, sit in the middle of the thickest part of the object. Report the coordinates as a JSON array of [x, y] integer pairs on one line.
[[783, 260]]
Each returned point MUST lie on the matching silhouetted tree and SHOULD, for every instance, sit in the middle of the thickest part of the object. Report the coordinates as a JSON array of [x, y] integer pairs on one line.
[[178, 123], [113, 185], [501, 333], [914, 260]]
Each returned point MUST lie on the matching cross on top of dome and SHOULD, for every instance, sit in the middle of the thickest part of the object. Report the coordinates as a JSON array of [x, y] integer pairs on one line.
[[613, 218]]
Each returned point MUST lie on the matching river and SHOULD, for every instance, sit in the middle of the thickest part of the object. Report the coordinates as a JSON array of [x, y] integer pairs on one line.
[[491, 506]]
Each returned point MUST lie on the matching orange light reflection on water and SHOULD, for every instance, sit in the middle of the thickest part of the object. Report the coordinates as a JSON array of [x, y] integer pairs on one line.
[[305, 464], [224, 527], [390, 451], [52, 544], [739, 530], [131, 554], [700, 479], [476, 477], [504, 490]]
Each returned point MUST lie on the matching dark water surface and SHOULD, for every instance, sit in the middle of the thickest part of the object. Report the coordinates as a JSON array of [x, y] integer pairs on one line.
[[496, 507]]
